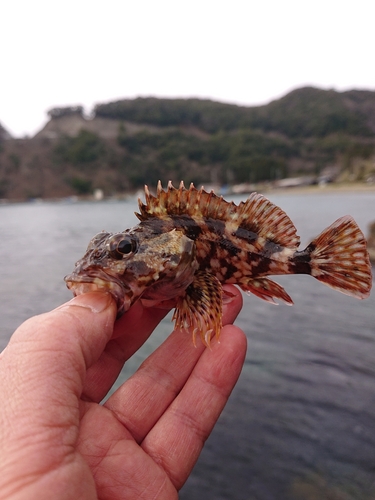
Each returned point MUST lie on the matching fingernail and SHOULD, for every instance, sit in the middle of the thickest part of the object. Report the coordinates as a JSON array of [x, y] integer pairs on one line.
[[97, 302], [228, 297]]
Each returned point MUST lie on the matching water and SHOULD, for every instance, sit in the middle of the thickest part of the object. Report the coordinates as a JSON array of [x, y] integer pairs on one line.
[[300, 424]]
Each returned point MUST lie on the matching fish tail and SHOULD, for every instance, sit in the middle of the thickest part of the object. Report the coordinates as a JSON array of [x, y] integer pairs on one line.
[[338, 257]]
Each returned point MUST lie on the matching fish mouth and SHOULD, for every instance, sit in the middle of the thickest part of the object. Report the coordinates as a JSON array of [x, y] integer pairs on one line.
[[97, 283]]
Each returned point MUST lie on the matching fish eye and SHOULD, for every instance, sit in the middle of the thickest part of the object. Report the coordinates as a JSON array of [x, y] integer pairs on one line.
[[124, 246]]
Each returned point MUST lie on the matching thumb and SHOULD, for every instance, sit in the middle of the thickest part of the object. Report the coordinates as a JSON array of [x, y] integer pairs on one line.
[[42, 371], [56, 348]]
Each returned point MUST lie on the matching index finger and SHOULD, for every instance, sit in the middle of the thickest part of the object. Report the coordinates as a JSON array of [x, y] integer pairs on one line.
[[129, 334]]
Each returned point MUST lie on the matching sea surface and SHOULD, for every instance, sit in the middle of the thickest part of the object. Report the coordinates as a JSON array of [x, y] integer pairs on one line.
[[300, 424]]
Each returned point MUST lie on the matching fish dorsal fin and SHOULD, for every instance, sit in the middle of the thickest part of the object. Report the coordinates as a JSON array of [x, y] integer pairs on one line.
[[257, 214], [193, 202], [261, 216]]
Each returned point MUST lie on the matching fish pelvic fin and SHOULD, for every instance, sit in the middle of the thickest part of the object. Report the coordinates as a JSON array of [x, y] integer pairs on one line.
[[338, 257], [200, 309]]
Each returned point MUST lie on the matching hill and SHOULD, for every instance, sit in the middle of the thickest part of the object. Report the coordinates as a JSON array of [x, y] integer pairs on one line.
[[135, 141], [4, 134], [305, 112]]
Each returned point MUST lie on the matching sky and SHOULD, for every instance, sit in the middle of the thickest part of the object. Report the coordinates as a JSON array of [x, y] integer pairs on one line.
[[247, 52]]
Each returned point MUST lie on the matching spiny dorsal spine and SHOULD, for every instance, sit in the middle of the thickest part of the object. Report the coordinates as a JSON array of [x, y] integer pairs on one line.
[[256, 214]]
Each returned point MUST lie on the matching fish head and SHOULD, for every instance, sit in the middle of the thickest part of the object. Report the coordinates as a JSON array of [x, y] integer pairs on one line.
[[132, 264]]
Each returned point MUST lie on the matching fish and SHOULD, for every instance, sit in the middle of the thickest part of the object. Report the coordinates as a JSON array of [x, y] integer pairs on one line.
[[189, 242]]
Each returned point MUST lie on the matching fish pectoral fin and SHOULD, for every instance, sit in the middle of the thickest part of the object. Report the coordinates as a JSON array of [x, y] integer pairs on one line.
[[267, 290], [200, 309]]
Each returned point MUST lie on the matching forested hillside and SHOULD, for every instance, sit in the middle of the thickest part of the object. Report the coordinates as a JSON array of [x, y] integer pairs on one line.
[[306, 112], [132, 142]]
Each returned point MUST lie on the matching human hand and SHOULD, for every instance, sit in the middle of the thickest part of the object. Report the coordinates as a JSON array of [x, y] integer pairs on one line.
[[57, 441]]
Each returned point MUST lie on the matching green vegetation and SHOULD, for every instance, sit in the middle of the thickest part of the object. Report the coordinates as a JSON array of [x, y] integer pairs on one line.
[[310, 112], [243, 156], [204, 114], [85, 148], [80, 185], [305, 112]]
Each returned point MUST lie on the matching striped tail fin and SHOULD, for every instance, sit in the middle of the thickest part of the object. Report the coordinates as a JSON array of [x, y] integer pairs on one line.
[[339, 258]]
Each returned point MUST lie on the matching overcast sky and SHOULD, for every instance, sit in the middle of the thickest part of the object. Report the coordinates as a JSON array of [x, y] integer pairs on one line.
[[239, 51]]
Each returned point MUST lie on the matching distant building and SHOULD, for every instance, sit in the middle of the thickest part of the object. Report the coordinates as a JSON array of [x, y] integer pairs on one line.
[[290, 182]]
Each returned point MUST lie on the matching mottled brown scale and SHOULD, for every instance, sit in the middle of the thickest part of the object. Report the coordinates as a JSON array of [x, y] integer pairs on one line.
[[189, 242]]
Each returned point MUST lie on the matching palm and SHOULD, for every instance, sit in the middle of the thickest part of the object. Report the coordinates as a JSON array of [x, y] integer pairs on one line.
[[117, 463]]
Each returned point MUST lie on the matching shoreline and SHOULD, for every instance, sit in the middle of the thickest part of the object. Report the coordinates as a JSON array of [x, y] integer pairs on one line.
[[326, 188], [266, 190]]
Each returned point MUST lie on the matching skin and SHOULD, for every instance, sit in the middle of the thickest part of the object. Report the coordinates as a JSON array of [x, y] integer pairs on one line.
[[57, 441]]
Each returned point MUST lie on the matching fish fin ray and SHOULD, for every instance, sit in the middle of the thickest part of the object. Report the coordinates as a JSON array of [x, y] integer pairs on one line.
[[257, 214], [267, 290], [261, 216], [339, 258], [200, 309], [191, 201]]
